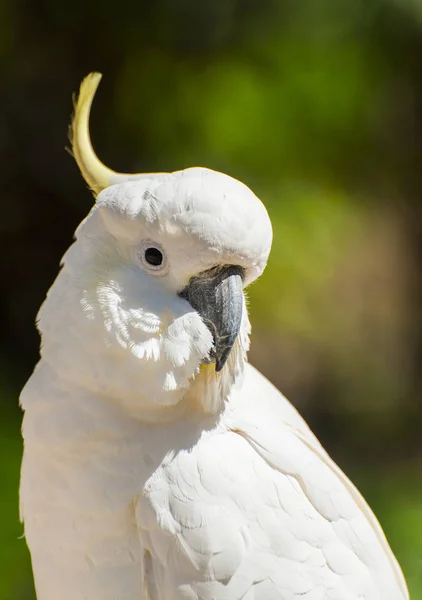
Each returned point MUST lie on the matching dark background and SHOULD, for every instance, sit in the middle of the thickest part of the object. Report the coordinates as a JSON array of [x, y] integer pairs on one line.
[[315, 105]]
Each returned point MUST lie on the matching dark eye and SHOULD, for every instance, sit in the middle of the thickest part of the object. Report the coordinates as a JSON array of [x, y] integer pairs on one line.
[[154, 257]]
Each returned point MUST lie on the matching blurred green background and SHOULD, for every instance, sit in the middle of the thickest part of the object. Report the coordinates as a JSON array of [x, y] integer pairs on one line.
[[315, 105]]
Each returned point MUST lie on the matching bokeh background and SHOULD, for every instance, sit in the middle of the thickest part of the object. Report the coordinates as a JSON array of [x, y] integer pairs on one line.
[[315, 105]]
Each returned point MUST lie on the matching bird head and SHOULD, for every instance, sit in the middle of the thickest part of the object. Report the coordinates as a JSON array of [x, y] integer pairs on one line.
[[153, 287]]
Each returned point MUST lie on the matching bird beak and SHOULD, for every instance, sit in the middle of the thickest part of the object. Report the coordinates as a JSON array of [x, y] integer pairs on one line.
[[217, 295]]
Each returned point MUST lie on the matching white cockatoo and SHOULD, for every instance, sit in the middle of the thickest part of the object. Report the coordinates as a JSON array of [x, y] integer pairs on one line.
[[158, 464]]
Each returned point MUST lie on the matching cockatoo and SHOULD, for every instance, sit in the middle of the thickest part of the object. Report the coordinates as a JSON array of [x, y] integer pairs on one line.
[[158, 463]]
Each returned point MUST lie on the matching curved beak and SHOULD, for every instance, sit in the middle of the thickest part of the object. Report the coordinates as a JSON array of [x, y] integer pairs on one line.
[[217, 295]]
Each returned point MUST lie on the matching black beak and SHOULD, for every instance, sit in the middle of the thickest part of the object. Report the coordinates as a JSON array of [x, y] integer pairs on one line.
[[217, 295]]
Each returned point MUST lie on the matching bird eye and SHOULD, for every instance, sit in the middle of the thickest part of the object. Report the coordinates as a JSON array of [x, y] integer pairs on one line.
[[154, 256]]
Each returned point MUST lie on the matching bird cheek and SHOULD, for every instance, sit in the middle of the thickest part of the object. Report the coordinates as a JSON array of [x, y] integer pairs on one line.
[[187, 342]]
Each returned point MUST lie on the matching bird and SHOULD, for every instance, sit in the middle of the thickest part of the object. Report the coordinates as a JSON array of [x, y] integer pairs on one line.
[[158, 463]]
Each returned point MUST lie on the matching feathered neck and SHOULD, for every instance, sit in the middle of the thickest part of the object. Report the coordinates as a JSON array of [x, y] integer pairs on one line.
[[209, 390]]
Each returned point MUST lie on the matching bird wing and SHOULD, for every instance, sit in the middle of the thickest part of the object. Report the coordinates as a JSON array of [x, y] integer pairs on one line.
[[257, 510], [283, 439]]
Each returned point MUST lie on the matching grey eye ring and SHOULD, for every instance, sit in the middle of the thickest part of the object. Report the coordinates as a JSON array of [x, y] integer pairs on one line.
[[152, 257]]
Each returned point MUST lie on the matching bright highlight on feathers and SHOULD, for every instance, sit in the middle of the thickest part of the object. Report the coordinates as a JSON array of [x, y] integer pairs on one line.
[[158, 464]]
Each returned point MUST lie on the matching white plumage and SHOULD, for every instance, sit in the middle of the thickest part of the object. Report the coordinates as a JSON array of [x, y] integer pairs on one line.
[[148, 473]]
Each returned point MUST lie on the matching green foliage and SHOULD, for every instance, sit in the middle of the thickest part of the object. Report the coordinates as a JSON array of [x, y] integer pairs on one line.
[[276, 110], [312, 229], [15, 578], [395, 498]]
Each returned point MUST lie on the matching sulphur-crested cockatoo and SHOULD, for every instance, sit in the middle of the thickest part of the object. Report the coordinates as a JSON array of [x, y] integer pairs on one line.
[[158, 464]]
